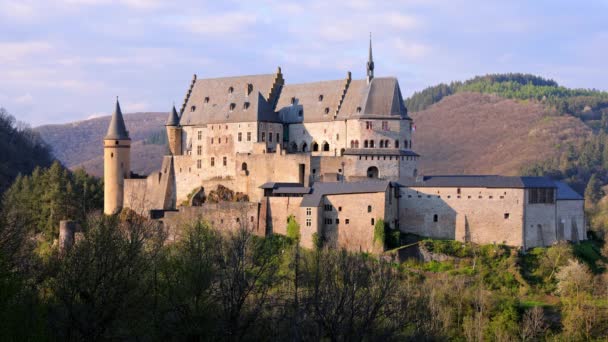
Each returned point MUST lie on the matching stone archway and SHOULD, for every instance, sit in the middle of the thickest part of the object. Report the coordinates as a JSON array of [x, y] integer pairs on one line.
[[315, 146], [372, 172]]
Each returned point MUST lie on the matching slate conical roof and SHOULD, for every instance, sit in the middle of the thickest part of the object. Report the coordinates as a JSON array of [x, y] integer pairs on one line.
[[173, 119], [117, 129]]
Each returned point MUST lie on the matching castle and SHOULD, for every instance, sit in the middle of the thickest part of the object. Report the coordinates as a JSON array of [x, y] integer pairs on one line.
[[336, 155]]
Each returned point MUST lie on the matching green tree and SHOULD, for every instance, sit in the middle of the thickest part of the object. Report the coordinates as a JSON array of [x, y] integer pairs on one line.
[[293, 228], [593, 191]]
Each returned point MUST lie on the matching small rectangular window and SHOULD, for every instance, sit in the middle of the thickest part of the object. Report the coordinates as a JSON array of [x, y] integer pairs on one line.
[[347, 221], [199, 150], [506, 216], [240, 136], [198, 164], [248, 136], [225, 161], [200, 135], [308, 211], [212, 161], [308, 222], [263, 136], [270, 136]]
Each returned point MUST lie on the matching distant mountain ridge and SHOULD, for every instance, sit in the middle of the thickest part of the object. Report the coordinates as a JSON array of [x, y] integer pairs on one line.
[[80, 143]]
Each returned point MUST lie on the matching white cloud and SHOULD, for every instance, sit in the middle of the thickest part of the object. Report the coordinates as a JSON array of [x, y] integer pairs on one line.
[[17, 51], [135, 106], [97, 115], [24, 99], [226, 23], [410, 50], [400, 21]]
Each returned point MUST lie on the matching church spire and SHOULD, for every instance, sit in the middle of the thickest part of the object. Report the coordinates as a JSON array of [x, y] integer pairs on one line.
[[370, 61], [117, 129]]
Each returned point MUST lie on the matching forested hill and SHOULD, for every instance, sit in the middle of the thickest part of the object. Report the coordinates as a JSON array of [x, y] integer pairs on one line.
[[21, 150], [587, 104]]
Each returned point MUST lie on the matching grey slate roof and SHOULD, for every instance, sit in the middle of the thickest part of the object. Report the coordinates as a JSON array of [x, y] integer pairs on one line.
[[217, 109], [384, 98], [337, 188], [173, 119], [117, 129], [292, 190], [306, 99], [275, 185], [479, 181], [380, 151], [564, 192]]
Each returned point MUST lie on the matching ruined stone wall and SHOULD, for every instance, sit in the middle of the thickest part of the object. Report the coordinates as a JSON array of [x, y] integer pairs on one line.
[[225, 216], [155, 192], [480, 215], [571, 220]]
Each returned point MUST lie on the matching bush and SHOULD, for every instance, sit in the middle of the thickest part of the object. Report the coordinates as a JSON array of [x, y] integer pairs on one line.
[[293, 228]]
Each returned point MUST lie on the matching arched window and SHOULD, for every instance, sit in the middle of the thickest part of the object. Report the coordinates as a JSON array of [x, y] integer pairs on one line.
[[206, 99], [386, 144], [320, 97], [342, 151], [381, 143], [304, 147], [244, 167], [356, 143], [371, 144], [315, 147], [193, 108], [245, 105], [232, 105], [326, 146], [352, 144], [396, 143], [369, 208], [230, 90], [326, 110], [294, 147], [372, 172], [365, 144]]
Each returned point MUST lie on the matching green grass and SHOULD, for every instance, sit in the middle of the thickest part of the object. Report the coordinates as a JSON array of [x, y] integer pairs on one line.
[[589, 253]]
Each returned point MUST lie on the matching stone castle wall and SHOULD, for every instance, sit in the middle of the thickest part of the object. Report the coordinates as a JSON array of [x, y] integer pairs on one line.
[[479, 215], [116, 167]]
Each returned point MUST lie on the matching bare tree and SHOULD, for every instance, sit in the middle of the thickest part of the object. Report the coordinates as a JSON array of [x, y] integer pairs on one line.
[[533, 324]]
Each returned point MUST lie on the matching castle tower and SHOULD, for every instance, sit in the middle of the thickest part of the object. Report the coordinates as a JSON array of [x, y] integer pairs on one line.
[[174, 133], [116, 162]]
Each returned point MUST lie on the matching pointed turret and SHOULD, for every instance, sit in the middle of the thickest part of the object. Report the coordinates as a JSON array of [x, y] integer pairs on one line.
[[116, 162], [117, 129], [370, 61], [173, 119], [174, 133]]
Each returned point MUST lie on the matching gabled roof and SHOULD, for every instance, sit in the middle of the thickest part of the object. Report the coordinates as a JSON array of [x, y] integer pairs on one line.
[[479, 181], [305, 97], [337, 188], [245, 93], [117, 129], [564, 192], [173, 119]]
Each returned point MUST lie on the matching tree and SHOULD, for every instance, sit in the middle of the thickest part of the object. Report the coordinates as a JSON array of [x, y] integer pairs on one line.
[[533, 324], [593, 192], [293, 228]]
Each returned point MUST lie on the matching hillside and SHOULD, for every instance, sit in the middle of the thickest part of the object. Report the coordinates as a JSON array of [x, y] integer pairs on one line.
[[21, 150], [80, 143], [480, 133]]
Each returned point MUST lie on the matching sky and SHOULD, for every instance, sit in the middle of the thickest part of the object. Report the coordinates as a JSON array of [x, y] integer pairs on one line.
[[67, 60]]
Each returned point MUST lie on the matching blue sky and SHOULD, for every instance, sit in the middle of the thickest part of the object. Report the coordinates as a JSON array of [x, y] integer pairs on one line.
[[66, 60]]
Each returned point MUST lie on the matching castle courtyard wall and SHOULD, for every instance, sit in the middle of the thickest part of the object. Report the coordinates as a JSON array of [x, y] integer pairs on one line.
[[571, 220], [480, 215]]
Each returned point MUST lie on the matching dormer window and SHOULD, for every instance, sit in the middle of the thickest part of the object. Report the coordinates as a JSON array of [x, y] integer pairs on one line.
[[206, 99], [320, 97], [232, 106], [326, 110], [293, 100], [245, 105], [358, 109], [300, 113], [230, 90], [193, 108]]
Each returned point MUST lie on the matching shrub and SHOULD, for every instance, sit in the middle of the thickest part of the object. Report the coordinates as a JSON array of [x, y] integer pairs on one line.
[[293, 228]]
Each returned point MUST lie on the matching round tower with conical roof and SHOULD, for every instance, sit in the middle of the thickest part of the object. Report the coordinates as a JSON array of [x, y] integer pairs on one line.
[[174, 133], [116, 162]]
